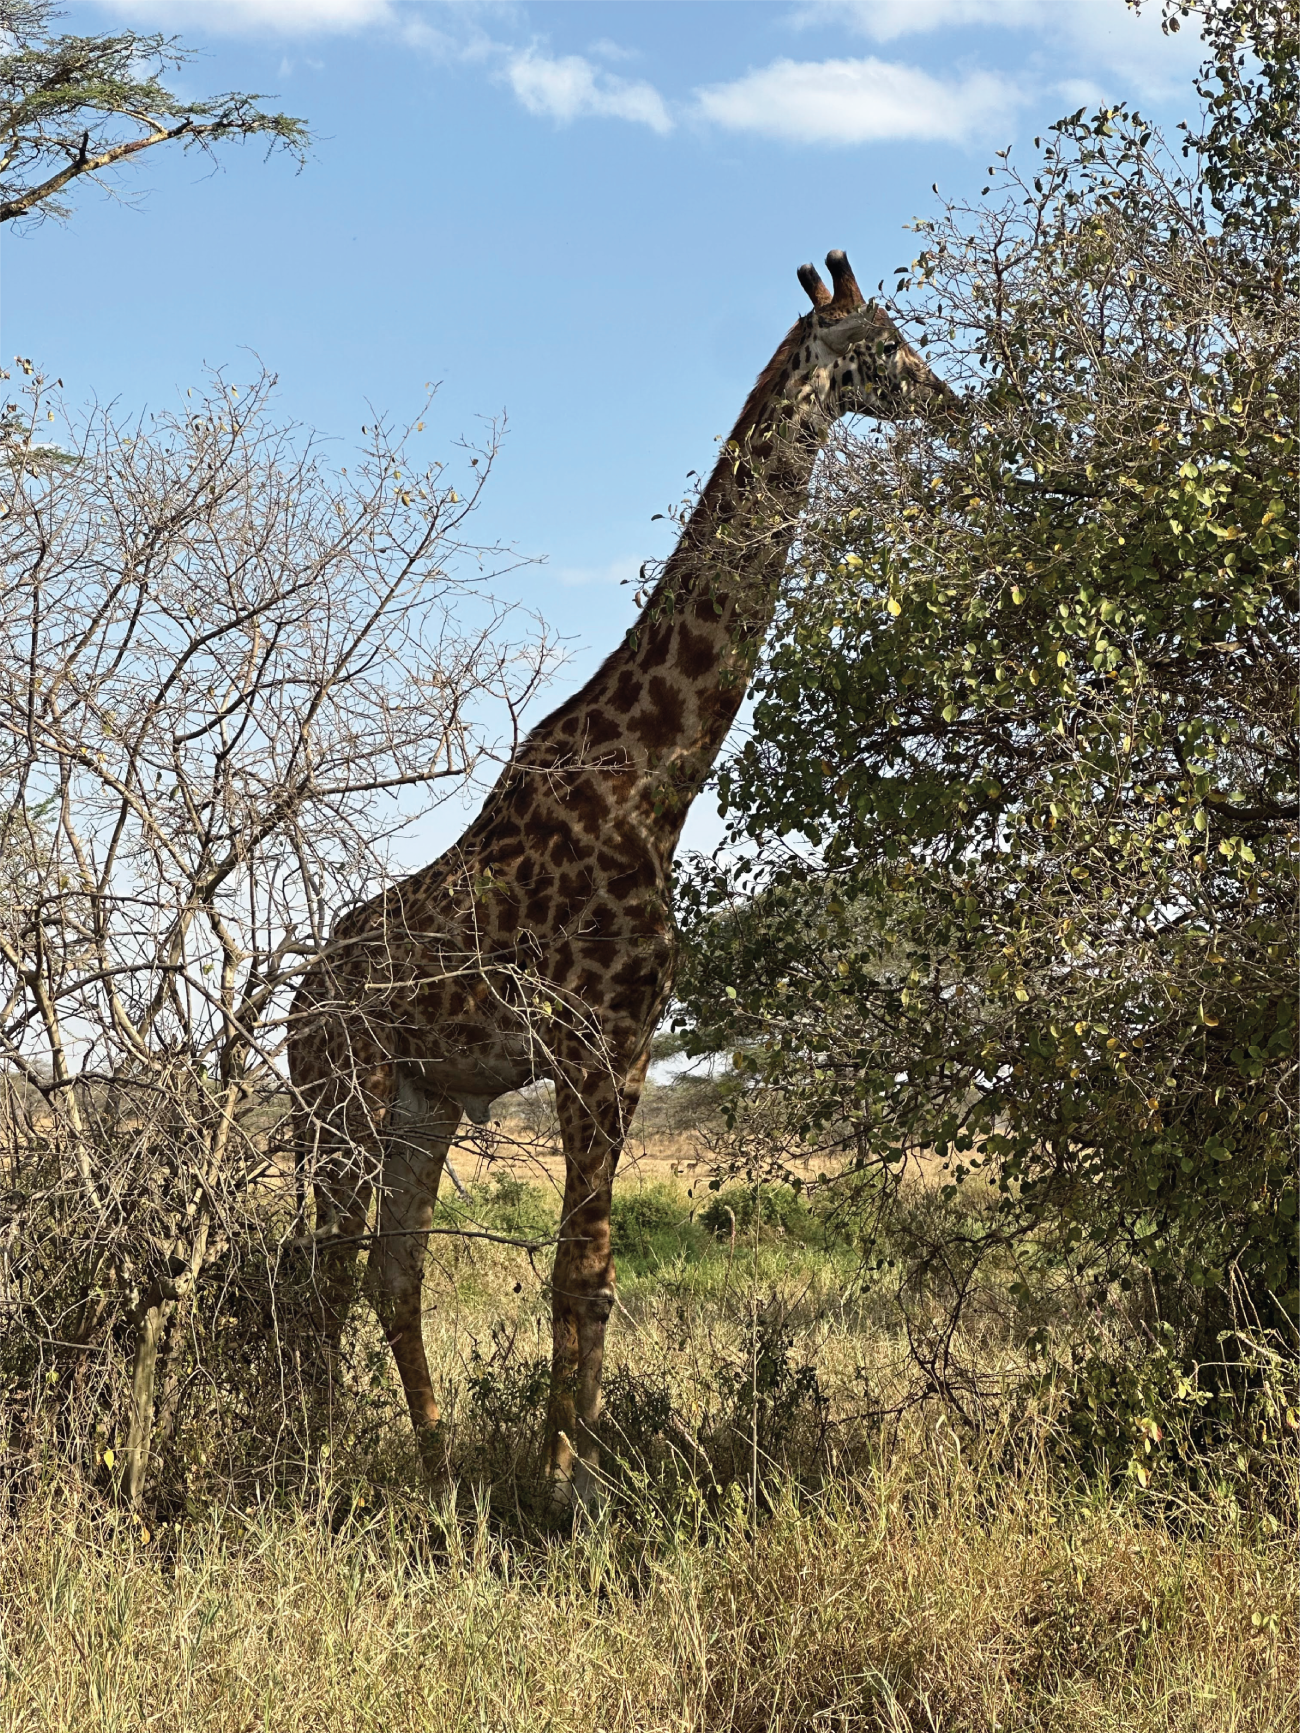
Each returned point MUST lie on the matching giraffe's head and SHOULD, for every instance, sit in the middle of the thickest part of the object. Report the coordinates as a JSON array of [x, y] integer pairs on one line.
[[850, 358]]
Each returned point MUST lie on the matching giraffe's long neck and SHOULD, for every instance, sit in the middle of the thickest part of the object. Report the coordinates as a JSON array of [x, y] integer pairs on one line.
[[657, 711]]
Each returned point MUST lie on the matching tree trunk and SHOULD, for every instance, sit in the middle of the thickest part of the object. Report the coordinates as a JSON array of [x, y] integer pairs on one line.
[[167, 1402], [151, 1319]]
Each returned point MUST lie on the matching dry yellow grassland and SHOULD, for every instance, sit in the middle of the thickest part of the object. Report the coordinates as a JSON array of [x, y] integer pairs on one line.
[[911, 1601], [926, 1582]]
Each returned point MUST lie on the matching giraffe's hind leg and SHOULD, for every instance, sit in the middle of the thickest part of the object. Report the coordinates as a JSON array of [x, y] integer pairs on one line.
[[342, 1188], [340, 1152], [419, 1136]]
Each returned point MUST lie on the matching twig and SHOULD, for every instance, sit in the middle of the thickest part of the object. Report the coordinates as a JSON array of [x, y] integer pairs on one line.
[[306, 1242]]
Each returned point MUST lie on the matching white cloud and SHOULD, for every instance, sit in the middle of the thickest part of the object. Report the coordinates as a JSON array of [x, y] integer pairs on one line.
[[465, 43], [604, 49], [625, 571], [248, 17], [1097, 35], [1079, 92], [1077, 51], [886, 20], [1104, 37], [567, 87], [856, 101]]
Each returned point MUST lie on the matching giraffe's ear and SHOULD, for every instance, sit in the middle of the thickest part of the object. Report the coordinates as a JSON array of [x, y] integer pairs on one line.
[[848, 297], [814, 288]]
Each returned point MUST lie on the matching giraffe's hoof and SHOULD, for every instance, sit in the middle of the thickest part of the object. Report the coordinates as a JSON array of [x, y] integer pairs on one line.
[[435, 1465], [578, 1486], [590, 1492], [584, 1497], [564, 1459]]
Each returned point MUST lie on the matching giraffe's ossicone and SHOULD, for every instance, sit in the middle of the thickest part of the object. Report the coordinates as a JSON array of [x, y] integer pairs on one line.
[[542, 944]]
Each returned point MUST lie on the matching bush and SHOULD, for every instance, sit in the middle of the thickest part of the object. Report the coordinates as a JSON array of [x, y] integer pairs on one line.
[[780, 1210], [1029, 704], [1146, 1417], [508, 1205], [651, 1225], [166, 873], [773, 1413]]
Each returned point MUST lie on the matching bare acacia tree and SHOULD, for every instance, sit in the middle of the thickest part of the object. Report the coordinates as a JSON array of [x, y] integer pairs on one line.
[[230, 676]]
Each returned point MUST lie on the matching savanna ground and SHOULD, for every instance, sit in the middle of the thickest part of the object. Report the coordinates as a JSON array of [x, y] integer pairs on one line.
[[792, 1537]]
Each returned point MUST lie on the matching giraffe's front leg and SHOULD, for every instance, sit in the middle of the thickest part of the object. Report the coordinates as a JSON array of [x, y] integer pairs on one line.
[[594, 1110]]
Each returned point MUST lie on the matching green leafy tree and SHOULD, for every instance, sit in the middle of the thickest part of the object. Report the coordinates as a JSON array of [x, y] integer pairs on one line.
[[1020, 799], [74, 106]]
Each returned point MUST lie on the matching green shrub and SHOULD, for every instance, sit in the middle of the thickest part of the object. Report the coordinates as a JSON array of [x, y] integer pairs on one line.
[[509, 1205], [1146, 1414], [780, 1210], [652, 1224], [769, 1402]]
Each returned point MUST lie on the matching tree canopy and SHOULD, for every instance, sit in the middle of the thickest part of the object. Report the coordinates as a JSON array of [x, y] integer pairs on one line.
[[74, 106], [1018, 811]]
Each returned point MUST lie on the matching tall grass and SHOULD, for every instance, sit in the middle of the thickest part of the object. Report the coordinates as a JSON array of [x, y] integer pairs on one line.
[[792, 1539], [923, 1597]]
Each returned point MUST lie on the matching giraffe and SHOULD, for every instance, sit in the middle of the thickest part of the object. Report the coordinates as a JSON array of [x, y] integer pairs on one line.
[[541, 946]]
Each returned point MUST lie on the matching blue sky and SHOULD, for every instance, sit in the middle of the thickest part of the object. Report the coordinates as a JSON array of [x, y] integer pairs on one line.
[[586, 216]]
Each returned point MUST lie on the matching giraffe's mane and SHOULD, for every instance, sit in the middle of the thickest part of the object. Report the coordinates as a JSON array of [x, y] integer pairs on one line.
[[759, 397], [768, 380]]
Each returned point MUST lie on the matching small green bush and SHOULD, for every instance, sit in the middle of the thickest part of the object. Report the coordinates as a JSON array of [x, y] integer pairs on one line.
[[1146, 1415], [769, 1401], [780, 1210], [511, 1205], [651, 1224]]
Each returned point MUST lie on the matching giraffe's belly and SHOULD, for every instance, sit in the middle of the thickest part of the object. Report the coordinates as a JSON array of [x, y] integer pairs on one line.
[[475, 1080]]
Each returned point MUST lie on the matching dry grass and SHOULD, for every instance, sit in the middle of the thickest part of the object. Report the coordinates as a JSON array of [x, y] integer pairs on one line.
[[923, 1587], [533, 1152], [913, 1602]]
